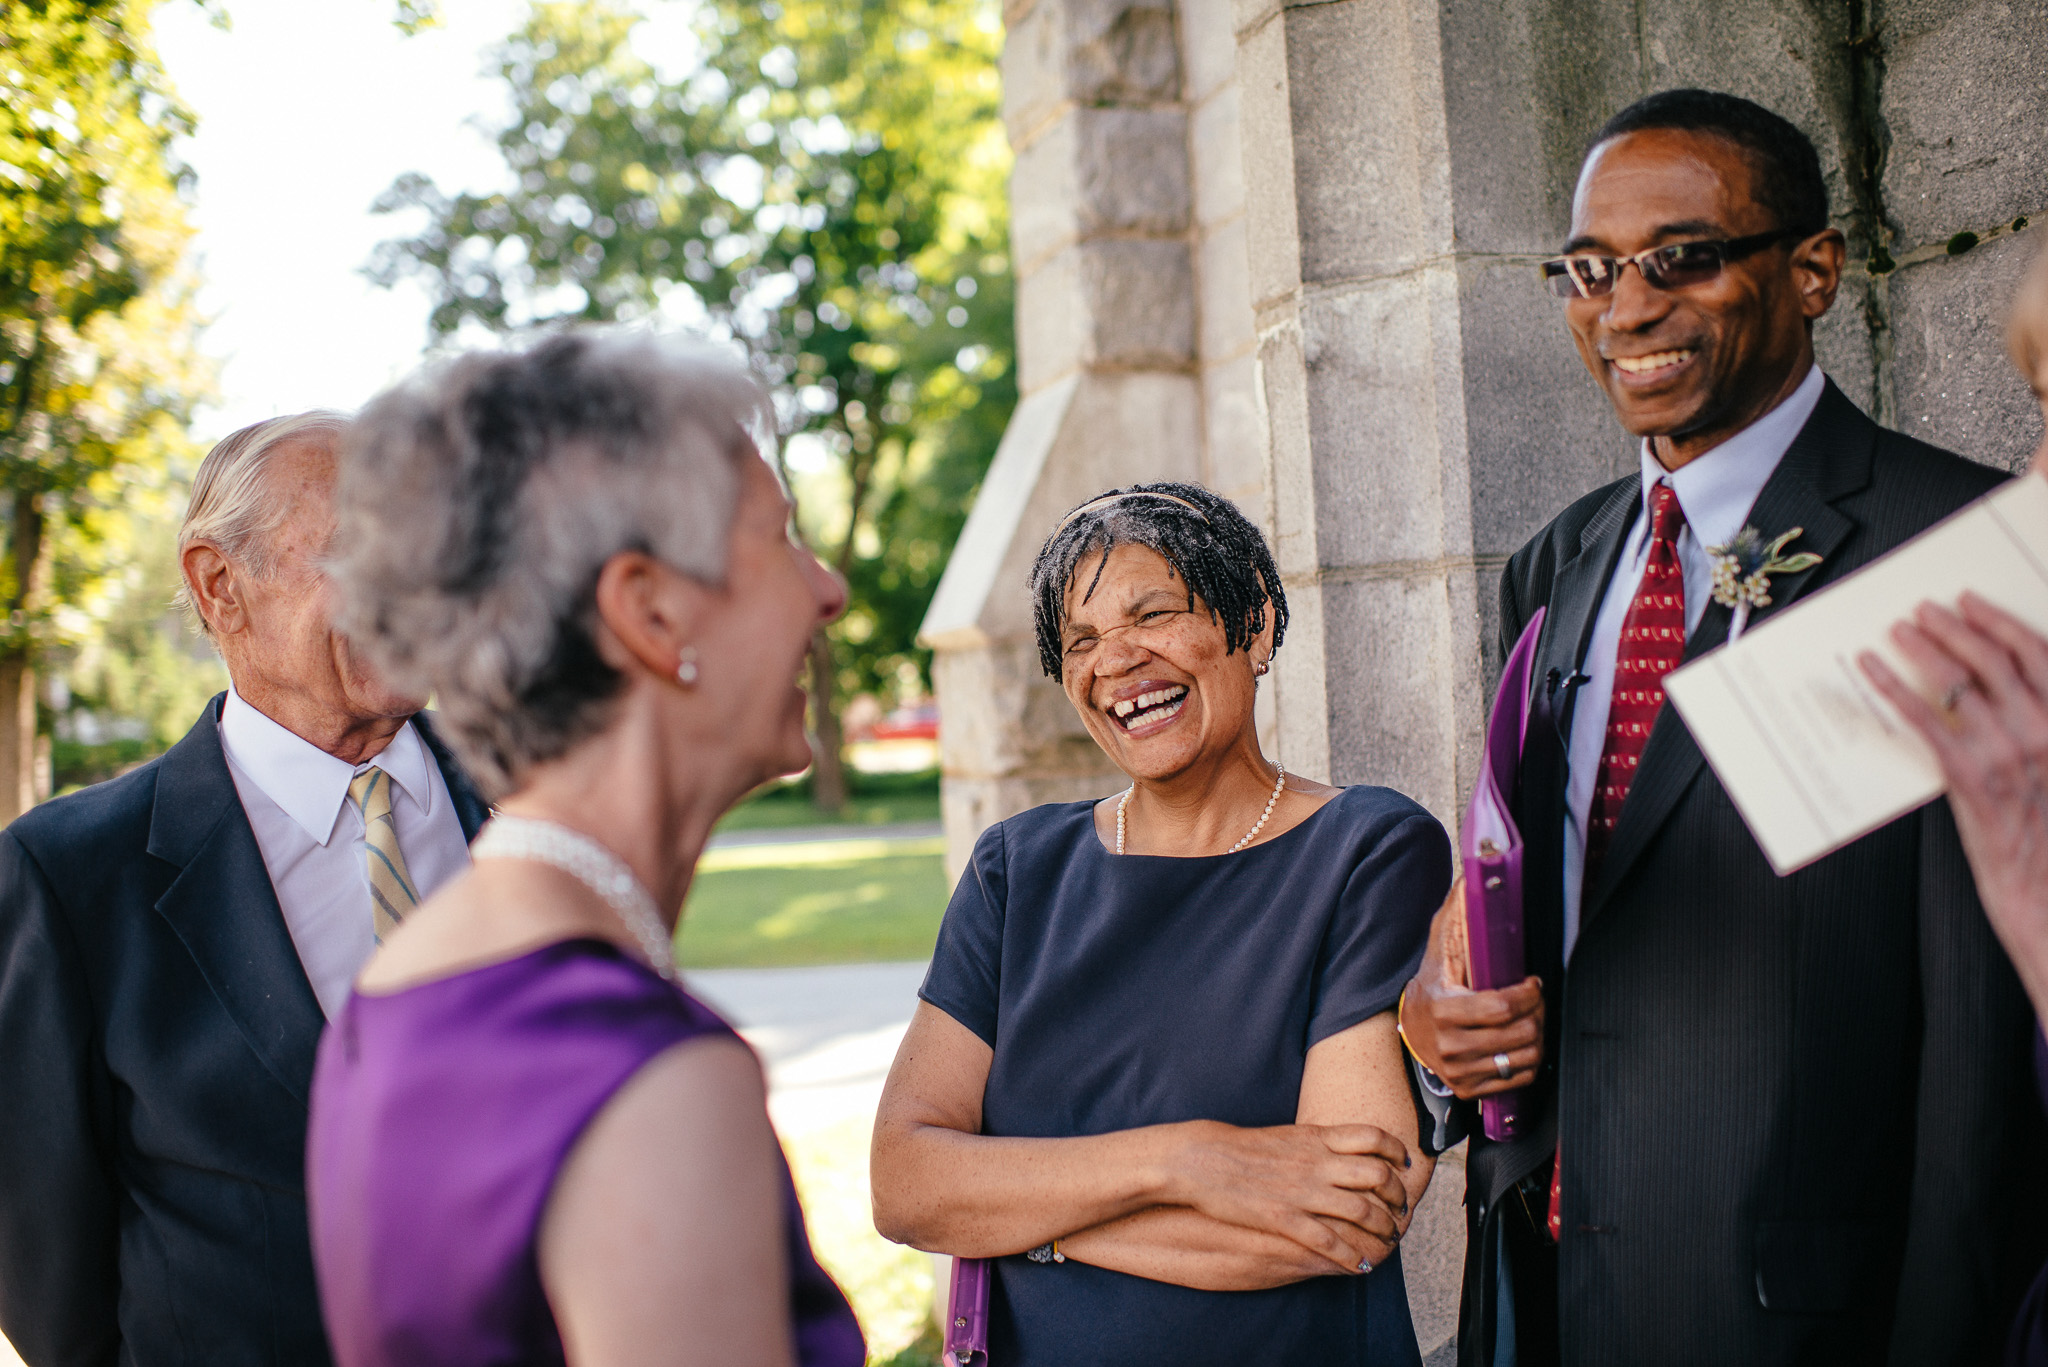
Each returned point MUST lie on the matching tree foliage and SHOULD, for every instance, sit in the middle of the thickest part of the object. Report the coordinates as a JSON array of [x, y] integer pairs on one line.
[[98, 365], [825, 186]]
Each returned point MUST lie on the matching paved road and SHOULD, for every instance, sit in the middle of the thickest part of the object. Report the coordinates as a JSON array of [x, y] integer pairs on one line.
[[828, 1035], [802, 835]]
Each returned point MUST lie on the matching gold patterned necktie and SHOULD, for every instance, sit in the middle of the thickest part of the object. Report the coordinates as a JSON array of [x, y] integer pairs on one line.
[[391, 891]]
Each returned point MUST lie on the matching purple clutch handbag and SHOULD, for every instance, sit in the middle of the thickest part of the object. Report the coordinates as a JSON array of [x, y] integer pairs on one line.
[[1490, 853], [967, 1314]]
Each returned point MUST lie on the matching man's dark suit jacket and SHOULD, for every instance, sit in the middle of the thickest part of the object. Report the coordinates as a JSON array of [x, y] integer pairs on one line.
[[1793, 1109], [156, 1048]]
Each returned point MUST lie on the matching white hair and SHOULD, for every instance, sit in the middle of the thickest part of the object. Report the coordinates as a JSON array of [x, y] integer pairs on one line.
[[479, 499], [235, 506]]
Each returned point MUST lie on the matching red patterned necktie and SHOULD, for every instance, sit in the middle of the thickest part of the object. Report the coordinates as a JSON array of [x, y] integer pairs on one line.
[[1652, 645]]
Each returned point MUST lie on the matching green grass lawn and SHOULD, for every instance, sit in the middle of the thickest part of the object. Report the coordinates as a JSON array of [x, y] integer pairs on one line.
[[876, 800], [851, 899], [890, 1285], [818, 902]]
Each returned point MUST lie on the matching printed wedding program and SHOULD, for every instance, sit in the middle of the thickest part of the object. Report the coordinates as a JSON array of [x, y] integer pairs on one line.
[[1813, 756]]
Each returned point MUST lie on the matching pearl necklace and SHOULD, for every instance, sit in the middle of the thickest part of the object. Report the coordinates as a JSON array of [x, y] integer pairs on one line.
[[1279, 782], [594, 866]]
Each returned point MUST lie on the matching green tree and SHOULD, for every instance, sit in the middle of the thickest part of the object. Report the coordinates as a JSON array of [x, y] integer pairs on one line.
[[98, 371], [827, 189]]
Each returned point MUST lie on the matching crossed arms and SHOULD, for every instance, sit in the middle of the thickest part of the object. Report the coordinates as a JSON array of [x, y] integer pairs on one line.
[[1199, 1204]]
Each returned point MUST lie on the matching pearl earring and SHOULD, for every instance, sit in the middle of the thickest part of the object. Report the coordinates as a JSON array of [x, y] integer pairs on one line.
[[686, 670]]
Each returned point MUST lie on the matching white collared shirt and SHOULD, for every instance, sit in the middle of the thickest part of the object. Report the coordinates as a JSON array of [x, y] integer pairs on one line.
[[1716, 491], [311, 836]]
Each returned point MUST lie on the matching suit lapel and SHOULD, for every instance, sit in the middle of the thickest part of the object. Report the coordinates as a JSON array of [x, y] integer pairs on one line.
[[1574, 602], [1827, 460], [470, 809], [224, 910], [1581, 584]]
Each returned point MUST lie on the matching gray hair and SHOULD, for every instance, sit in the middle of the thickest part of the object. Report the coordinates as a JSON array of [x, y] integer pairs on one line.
[[479, 500], [234, 507]]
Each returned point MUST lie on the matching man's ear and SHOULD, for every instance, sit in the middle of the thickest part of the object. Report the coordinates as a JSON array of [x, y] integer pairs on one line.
[[215, 587], [650, 612], [1817, 271]]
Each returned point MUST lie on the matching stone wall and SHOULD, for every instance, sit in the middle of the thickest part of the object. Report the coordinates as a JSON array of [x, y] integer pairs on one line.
[[1287, 248], [1427, 411], [1135, 354]]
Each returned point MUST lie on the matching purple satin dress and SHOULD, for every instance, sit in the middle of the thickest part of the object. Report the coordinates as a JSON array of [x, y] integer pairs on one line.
[[441, 1115]]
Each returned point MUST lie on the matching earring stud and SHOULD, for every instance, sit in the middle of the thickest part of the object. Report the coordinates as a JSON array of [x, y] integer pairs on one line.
[[686, 669]]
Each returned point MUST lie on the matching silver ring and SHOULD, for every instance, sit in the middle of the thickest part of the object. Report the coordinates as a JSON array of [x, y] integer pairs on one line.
[[1364, 1266], [1503, 1065], [1955, 694]]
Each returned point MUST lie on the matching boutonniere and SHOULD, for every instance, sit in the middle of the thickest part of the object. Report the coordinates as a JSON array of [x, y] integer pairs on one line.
[[1743, 570]]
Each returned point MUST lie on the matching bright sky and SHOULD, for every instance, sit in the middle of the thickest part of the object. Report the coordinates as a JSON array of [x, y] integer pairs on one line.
[[307, 110]]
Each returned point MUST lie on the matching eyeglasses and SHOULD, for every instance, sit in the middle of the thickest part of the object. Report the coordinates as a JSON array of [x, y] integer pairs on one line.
[[1664, 268]]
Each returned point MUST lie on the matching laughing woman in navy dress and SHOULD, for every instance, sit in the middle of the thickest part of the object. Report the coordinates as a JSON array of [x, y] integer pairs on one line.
[[1154, 1074]]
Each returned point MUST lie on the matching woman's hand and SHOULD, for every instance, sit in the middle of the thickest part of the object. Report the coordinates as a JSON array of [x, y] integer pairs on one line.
[[1258, 1194], [1992, 744], [1278, 1204], [1335, 1190], [1186, 1248], [1459, 1034], [1211, 1245]]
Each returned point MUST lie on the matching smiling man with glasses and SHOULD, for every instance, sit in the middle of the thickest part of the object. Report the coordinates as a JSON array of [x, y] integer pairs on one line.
[[1769, 1119]]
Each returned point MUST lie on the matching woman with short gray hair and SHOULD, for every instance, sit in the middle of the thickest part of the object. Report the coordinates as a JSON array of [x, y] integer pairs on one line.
[[528, 1142]]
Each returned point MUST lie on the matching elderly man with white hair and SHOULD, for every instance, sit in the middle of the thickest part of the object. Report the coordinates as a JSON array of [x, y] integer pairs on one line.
[[173, 941]]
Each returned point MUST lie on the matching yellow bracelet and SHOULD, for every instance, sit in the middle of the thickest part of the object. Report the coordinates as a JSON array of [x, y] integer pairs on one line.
[[1400, 1008]]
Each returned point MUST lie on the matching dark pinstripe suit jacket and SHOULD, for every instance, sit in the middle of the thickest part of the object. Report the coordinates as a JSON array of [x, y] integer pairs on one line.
[[1795, 1112]]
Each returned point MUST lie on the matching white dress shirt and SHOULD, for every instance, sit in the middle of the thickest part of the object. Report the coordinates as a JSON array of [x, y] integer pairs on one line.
[[311, 836], [1716, 492]]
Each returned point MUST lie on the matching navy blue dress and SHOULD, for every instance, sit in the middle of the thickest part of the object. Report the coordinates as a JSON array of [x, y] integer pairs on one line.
[[1119, 992]]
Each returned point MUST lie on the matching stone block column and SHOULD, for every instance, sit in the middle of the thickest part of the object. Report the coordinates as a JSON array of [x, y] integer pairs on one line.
[[1106, 347], [1358, 294]]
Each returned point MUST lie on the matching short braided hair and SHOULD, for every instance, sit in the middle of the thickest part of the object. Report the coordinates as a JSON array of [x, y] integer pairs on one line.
[[1214, 548]]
